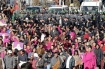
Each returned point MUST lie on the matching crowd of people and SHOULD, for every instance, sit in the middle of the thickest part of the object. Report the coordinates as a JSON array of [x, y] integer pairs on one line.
[[51, 41]]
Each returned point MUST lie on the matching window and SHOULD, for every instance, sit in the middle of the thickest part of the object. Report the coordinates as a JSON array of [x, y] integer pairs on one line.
[[90, 8]]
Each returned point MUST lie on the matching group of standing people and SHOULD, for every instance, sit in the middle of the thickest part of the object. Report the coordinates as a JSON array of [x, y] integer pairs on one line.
[[53, 42]]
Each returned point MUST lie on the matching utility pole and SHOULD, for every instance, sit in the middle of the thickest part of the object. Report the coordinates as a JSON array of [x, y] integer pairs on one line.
[[60, 2]]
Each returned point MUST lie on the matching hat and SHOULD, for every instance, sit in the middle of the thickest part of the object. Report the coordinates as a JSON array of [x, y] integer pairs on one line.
[[21, 63], [87, 43], [9, 51], [36, 55]]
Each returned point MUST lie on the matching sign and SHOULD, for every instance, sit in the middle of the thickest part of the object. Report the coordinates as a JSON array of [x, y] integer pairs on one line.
[[2, 23], [17, 45]]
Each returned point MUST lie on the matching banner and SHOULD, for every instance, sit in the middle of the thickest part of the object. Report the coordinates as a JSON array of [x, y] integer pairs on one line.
[[4, 34], [17, 45], [2, 23]]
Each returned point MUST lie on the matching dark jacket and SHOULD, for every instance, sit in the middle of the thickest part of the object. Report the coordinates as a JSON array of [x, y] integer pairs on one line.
[[22, 58], [9, 62], [88, 24], [54, 33], [99, 55], [47, 58], [40, 64], [71, 62]]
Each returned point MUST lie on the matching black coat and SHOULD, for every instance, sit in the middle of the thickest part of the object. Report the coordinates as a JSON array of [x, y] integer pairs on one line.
[[99, 55], [54, 33], [65, 23], [88, 24]]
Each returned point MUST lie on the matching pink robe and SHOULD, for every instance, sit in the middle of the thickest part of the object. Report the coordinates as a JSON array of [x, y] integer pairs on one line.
[[89, 60], [81, 55], [72, 35], [28, 50], [3, 31], [2, 54], [73, 50], [6, 40], [59, 29], [15, 39], [48, 46], [35, 42], [76, 45], [99, 42], [34, 62]]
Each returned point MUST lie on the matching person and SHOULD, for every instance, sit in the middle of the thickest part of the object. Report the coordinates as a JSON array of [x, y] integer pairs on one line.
[[25, 65], [78, 60], [73, 49], [40, 62], [9, 60], [33, 61], [28, 49], [60, 21], [81, 54], [89, 58], [70, 62], [99, 56], [40, 49], [2, 49], [15, 56], [54, 32], [47, 59], [22, 57], [2, 66], [55, 61], [33, 53]]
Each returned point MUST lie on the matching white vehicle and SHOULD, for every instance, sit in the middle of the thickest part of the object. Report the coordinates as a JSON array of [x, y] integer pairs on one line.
[[58, 9], [91, 6]]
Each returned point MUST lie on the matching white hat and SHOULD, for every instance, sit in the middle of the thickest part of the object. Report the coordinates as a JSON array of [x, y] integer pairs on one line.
[[87, 43], [79, 39], [9, 51], [21, 63], [36, 55]]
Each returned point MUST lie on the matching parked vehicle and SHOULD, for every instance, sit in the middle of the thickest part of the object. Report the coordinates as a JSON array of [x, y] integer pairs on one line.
[[34, 8], [91, 6], [58, 9]]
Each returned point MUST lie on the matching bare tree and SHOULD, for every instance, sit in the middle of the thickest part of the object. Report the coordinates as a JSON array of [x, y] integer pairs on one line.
[[76, 3], [67, 2], [57, 2], [36, 2]]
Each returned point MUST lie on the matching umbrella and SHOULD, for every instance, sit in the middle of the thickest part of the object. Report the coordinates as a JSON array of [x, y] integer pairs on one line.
[[2, 23]]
